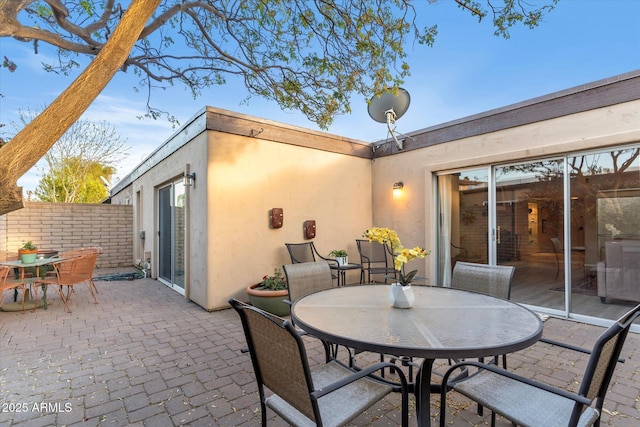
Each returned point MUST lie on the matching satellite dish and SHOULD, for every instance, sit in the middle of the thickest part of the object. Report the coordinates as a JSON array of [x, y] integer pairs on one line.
[[389, 107]]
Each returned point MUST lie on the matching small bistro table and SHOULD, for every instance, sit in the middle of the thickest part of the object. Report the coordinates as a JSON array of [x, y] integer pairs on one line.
[[341, 270], [443, 323], [39, 262]]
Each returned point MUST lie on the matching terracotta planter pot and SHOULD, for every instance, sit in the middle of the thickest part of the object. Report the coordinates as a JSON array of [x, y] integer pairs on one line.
[[271, 301]]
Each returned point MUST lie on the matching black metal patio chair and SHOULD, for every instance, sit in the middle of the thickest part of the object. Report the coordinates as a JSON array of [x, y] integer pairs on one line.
[[494, 280], [527, 402], [375, 259], [307, 252], [331, 394]]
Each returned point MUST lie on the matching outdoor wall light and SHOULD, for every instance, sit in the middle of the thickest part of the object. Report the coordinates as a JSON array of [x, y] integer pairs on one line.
[[189, 179], [397, 188]]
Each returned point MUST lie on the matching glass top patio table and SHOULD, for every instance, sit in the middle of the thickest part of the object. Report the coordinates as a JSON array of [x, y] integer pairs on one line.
[[39, 262], [443, 323]]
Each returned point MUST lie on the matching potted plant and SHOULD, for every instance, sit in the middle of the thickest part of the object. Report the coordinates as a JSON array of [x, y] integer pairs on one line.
[[400, 294], [270, 294], [28, 252], [340, 256]]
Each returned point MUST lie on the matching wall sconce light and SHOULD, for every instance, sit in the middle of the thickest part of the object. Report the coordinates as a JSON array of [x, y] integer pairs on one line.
[[189, 179], [397, 188]]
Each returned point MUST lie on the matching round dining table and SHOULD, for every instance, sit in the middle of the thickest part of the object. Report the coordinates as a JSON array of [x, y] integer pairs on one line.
[[443, 323]]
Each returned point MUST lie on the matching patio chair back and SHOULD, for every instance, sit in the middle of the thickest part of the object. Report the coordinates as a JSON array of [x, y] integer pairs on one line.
[[494, 280], [302, 252], [73, 253], [306, 278], [604, 357], [279, 358], [375, 258]]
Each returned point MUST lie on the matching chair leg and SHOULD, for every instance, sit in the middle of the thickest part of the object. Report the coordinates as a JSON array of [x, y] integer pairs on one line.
[[64, 300], [95, 288], [93, 294]]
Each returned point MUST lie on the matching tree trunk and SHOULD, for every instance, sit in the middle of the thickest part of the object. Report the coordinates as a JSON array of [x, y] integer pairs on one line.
[[36, 138]]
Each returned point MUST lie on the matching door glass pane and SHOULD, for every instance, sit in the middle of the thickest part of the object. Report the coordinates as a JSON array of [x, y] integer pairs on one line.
[[164, 234], [529, 218], [179, 235], [605, 228], [463, 227]]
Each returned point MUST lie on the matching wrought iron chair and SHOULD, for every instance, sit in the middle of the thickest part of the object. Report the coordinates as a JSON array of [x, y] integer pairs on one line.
[[375, 259], [527, 402], [331, 394], [71, 272], [7, 284]]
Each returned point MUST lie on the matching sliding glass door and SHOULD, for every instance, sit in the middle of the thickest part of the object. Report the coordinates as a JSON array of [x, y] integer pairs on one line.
[[605, 231], [529, 218], [570, 226], [171, 235]]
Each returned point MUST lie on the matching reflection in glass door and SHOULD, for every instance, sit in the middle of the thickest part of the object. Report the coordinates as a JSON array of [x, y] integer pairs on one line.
[[529, 218], [171, 235], [605, 231], [463, 214]]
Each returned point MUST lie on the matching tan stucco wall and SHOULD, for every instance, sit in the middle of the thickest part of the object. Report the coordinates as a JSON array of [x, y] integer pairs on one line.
[[239, 179], [143, 197], [248, 177], [413, 215]]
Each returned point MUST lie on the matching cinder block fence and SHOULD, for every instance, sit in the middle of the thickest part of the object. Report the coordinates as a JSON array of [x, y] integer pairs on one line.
[[65, 226]]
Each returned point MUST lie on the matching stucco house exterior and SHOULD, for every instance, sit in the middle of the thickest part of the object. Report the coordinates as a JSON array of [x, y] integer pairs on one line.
[[492, 188]]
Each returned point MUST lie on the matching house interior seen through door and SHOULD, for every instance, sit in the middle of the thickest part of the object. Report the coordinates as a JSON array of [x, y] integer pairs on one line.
[[570, 225], [171, 235]]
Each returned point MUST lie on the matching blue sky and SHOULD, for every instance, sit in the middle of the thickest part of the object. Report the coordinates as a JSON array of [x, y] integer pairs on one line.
[[468, 71]]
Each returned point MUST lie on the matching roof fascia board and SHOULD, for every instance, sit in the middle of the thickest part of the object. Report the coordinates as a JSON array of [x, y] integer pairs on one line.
[[249, 126]]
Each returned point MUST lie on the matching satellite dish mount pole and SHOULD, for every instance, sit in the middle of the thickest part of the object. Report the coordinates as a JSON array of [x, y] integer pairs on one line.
[[391, 119]]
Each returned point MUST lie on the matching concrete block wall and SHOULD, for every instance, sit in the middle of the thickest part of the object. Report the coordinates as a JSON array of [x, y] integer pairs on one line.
[[65, 226]]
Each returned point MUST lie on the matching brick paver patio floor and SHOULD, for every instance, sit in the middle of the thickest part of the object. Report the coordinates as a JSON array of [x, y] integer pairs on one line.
[[145, 356]]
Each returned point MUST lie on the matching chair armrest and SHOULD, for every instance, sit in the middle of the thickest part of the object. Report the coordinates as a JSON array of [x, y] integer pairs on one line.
[[499, 371], [364, 372], [571, 347]]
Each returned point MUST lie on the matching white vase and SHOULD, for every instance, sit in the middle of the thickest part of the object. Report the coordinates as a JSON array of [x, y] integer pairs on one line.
[[401, 296], [342, 260]]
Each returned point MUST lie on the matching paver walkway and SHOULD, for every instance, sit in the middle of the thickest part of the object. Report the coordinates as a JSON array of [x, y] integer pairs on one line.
[[145, 356]]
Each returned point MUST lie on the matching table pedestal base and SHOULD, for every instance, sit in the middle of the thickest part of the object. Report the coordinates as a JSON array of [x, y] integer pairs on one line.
[[17, 306]]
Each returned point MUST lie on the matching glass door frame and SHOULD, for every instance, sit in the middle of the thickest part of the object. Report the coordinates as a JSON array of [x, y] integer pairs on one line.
[[177, 263]]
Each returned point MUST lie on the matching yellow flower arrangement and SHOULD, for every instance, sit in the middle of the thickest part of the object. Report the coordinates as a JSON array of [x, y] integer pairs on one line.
[[401, 255]]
